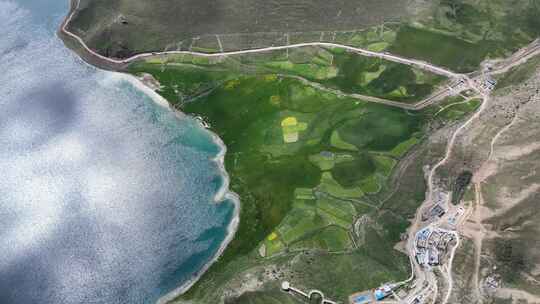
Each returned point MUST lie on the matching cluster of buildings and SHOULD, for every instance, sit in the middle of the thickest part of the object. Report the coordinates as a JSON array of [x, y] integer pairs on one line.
[[492, 283], [453, 219], [458, 86], [431, 245], [486, 83], [439, 206], [489, 84]]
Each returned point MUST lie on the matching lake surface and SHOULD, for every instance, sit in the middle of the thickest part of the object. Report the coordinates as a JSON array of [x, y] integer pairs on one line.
[[105, 197]]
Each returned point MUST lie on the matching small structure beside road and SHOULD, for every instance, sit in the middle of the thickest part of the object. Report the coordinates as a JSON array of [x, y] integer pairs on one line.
[[372, 296], [361, 298], [312, 294]]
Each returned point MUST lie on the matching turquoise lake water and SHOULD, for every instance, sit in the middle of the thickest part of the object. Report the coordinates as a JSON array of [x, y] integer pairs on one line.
[[106, 197]]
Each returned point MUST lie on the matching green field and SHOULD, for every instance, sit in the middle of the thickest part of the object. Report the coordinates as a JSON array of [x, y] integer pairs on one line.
[[333, 68], [305, 162], [345, 273], [440, 48], [454, 108], [381, 78], [351, 73], [321, 223], [266, 297]]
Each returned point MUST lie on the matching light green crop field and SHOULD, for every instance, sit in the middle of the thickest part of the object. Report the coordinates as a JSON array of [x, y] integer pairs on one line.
[[403, 147]]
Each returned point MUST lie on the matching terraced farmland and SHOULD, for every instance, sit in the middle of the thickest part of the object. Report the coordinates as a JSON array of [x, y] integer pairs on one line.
[[306, 162]]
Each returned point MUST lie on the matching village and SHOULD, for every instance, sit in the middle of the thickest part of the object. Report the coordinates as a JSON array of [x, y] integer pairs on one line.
[[432, 244]]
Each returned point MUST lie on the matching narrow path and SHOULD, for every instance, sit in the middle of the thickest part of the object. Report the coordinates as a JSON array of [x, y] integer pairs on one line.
[[455, 103], [219, 43], [478, 240], [499, 134], [449, 270]]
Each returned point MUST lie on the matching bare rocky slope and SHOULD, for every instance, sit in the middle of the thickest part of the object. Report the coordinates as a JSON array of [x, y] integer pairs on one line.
[[499, 261]]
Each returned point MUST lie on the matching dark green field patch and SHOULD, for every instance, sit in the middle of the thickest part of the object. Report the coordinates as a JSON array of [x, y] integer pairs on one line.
[[181, 83], [387, 128], [331, 238], [392, 78], [350, 173], [439, 49], [396, 82], [458, 111]]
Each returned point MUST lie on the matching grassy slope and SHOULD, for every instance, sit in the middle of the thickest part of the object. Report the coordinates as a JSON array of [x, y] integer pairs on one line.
[[519, 74], [246, 120], [439, 49], [457, 34], [158, 24], [461, 39]]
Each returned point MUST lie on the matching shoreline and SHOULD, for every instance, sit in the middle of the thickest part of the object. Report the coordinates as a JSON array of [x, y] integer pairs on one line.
[[222, 194], [141, 86], [77, 45]]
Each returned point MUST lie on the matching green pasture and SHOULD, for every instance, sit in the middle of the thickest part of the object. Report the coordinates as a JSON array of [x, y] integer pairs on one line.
[[301, 194], [312, 224], [247, 112]]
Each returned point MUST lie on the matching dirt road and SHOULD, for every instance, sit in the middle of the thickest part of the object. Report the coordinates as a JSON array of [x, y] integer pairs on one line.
[[416, 63]]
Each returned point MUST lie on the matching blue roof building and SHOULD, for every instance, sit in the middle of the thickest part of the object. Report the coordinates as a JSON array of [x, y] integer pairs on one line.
[[379, 295]]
